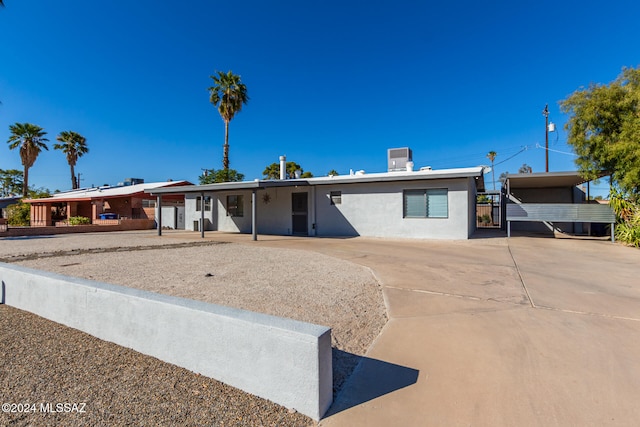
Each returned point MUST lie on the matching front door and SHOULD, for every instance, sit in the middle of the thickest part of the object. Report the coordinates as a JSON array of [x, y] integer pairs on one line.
[[299, 213], [180, 219]]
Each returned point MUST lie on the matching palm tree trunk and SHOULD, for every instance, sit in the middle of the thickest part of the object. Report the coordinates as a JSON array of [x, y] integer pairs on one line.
[[25, 182], [493, 173], [225, 159], [74, 185]]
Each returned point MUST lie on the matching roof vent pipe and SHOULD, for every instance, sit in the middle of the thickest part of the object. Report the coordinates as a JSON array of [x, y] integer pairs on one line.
[[283, 167]]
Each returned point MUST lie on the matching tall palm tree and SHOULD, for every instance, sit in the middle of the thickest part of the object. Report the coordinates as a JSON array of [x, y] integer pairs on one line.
[[229, 94], [73, 145], [30, 139], [492, 156]]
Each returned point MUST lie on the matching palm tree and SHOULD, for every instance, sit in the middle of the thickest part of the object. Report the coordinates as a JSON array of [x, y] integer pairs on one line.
[[229, 94], [73, 145], [30, 138], [492, 156]]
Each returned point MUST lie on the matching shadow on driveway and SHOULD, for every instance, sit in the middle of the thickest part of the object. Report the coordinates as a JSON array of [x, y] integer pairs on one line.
[[371, 379]]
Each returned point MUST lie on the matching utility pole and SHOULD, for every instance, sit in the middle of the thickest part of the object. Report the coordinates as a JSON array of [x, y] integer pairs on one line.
[[78, 180], [545, 113]]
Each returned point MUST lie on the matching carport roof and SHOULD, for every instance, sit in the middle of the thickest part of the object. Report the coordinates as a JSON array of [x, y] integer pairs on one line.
[[545, 179]]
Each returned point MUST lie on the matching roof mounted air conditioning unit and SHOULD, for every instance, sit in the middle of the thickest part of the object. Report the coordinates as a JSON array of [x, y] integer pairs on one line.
[[398, 158]]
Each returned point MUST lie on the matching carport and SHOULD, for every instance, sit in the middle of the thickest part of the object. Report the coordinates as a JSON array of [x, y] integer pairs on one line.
[[203, 190], [555, 200]]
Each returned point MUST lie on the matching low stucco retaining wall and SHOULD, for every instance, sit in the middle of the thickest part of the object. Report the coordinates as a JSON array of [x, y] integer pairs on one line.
[[283, 360], [125, 225]]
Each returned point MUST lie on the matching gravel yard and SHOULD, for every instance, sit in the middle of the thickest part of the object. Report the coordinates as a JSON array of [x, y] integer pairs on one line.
[[296, 284]]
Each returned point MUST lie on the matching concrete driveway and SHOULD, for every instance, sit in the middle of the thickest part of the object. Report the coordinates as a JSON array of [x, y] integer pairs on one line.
[[496, 332]]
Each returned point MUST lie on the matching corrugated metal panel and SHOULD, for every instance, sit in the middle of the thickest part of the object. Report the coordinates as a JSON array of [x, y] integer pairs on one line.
[[560, 212]]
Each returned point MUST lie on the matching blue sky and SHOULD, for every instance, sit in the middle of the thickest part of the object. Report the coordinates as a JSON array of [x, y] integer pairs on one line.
[[333, 84]]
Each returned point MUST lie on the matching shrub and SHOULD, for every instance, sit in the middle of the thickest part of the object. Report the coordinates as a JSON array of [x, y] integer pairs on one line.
[[627, 219], [79, 220], [19, 214]]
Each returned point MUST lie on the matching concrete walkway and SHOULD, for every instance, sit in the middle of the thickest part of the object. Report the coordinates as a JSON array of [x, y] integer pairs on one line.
[[495, 332]]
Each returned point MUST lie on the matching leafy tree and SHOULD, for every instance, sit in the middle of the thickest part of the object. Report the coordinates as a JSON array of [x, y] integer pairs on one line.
[[492, 157], [483, 198], [292, 168], [273, 171], [604, 130], [74, 146], [19, 214], [229, 94], [525, 168], [503, 177], [10, 182], [39, 193], [212, 176], [30, 139], [333, 172]]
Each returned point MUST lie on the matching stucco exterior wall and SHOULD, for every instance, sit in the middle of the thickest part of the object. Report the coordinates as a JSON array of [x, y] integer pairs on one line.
[[366, 209], [472, 196], [229, 223], [169, 217], [283, 360], [274, 210], [377, 211], [191, 215]]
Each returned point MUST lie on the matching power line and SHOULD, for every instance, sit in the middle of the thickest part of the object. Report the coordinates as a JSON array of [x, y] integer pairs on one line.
[[556, 151], [523, 149]]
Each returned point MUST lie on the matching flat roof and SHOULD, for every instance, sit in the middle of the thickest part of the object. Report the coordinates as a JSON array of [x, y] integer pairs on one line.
[[475, 172], [545, 179]]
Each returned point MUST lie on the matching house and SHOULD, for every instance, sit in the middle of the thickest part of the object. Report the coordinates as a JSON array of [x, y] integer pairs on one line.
[[546, 202], [5, 202], [426, 204], [103, 205]]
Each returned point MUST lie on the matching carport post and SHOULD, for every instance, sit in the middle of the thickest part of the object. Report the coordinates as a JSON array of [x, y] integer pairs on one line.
[[254, 210], [159, 205], [613, 234], [508, 228], [202, 215]]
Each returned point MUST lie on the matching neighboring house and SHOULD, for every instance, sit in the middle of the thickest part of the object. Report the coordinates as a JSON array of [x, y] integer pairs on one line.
[[546, 202], [427, 204], [104, 205], [5, 202]]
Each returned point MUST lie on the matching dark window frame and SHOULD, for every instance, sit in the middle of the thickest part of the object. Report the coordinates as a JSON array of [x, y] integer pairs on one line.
[[235, 205], [335, 197], [207, 203], [414, 207]]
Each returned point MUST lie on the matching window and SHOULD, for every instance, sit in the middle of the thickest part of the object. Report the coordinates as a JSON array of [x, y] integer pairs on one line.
[[235, 206], [336, 197], [207, 203], [426, 203]]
